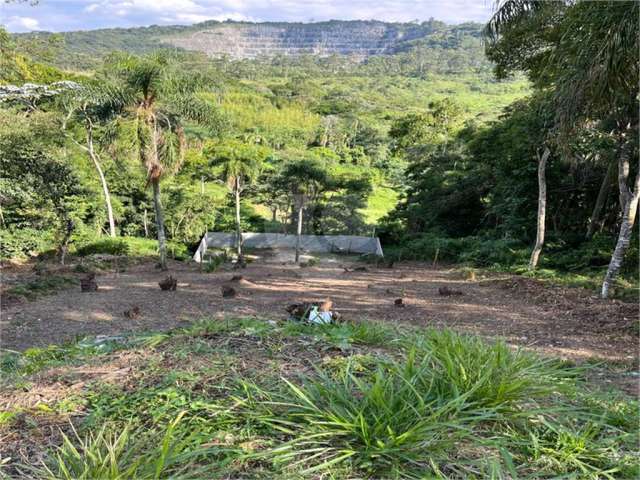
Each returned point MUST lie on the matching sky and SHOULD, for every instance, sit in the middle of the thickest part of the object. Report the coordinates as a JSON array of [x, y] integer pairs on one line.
[[65, 15]]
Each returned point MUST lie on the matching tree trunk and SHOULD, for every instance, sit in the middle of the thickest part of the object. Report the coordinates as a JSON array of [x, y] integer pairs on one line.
[[103, 181], [236, 192], [299, 232], [144, 223], [542, 208], [162, 239], [595, 220], [626, 229], [623, 178], [68, 226]]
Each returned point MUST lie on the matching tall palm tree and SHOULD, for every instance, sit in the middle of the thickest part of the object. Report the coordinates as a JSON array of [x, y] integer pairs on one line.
[[239, 164], [160, 99]]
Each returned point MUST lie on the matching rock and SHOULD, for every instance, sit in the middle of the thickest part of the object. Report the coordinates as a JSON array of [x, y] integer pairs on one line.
[[447, 292], [132, 313], [228, 291], [88, 283], [168, 283]]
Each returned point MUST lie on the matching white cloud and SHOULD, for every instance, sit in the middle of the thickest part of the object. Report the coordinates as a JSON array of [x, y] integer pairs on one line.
[[22, 24]]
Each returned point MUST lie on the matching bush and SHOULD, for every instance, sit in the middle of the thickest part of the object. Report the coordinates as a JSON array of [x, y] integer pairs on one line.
[[133, 247], [490, 375], [23, 242], [106, 246], [214, 262], [388, 425], [477, 251], [401, 418]]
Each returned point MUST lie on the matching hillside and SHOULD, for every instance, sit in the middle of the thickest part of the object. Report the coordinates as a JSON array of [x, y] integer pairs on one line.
[[431, 46]]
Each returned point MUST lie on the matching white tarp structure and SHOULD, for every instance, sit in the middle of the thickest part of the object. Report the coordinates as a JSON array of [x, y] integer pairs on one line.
[[308, 243]]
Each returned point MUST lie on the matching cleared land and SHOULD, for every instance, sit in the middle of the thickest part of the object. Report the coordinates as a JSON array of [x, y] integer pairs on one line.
[[562, 322]]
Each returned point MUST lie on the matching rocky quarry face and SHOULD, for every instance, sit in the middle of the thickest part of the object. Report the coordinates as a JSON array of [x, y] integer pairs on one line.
[[361, 39]]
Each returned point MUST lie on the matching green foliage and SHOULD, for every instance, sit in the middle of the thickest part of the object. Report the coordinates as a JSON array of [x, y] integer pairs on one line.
[[490, 376], [109, 246], [378, 425], [23, 242], [131, 247], [214, 262]]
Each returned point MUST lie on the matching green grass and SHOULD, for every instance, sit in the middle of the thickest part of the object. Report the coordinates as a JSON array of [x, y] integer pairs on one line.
[[44, 285], [248, 398]]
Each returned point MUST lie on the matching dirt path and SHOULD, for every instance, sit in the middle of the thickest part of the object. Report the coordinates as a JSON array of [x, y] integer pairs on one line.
[[562, 322]]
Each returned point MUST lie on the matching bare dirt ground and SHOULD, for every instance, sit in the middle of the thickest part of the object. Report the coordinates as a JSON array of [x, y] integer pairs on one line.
[[563, 322]]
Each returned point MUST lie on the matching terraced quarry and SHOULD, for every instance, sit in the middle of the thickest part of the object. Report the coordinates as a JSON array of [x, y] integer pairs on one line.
[[361, 39]]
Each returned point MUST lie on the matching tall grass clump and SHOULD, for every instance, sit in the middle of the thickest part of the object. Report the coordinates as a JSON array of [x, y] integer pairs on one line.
[[406, 417], [114, 453], [492, 375], [393, 423]]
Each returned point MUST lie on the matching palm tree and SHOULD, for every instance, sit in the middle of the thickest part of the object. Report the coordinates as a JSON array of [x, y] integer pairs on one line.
[[304, 180], [239, 163], [160, 99], [587, 52]]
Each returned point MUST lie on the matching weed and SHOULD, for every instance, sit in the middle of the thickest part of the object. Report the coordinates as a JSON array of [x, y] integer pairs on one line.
[[115, 454], [40, 286], [492, 374]]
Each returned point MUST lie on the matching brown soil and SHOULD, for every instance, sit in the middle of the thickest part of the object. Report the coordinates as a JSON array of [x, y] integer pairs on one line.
[[563, 322]]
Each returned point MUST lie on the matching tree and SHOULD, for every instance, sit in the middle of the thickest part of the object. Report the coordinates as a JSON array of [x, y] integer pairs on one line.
[[304, 179], [35, 177], [432, 127], [91, 105], [587, 53], [239, 163], [161, 98], [542, 207]]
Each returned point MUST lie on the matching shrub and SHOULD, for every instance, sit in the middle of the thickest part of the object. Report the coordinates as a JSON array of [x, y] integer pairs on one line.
[[214, 262], [106, 246], [132, 246], [23, 242]]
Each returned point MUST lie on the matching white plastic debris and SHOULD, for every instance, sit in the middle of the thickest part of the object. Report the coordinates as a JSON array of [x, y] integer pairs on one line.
[[319, 317]]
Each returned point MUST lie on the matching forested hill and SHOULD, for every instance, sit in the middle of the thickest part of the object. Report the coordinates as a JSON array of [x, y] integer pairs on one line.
[[429, 46]]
